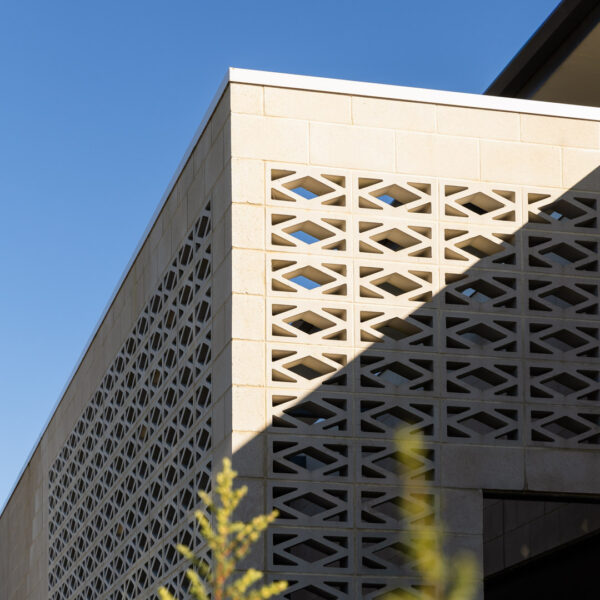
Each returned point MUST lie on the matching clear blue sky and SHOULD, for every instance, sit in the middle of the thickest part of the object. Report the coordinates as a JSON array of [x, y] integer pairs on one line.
[[98, 101]]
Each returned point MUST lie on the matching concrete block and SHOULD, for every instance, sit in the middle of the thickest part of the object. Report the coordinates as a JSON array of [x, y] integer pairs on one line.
[[492, 468], [393, 114], [269, 138], [246, 98], [248, 317], [581, 169], [351, 147], [248, 409], [434, 155], [526, 164], [312, 106], [473, 122], [566, 471], [557, 131]]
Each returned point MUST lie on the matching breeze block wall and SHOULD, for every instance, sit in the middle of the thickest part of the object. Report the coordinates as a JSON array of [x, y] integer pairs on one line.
[[406, 264], [112, 484], [326, 269]]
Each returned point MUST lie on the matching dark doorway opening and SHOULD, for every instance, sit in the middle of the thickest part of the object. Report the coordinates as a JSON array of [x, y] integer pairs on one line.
[[545, 547]]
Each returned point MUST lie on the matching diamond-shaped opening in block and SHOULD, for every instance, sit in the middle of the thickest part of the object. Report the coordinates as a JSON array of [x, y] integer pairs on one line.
[[563, 297], [566, 427], [310, 459], [565, 383], [310, 504], [396, 284], [564, 340], [395, 240], [309, 232], [480, 203], [311, 551], [480, 290], [562, 210], [309, 278], [396, 416], [309, 413], [480, 247], [397, 329], [481, 334], [563, 254], [396, 553], [308, 188], [310, 368], [482, 378], [395, 196], [310, 592], [396, 373], [309, 322], [482, 423]]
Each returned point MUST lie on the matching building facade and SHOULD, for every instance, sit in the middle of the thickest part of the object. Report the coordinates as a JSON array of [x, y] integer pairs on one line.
[[333, 261]]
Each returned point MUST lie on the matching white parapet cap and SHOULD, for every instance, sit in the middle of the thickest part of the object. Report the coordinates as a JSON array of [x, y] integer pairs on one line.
[[412, 94], [334, 86]]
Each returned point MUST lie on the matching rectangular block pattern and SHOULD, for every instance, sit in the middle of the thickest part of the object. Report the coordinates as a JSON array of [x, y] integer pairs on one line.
[[465, 311], [124, 484]]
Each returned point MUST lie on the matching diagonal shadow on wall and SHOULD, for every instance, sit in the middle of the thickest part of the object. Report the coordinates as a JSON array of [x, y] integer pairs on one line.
[[496, 365]]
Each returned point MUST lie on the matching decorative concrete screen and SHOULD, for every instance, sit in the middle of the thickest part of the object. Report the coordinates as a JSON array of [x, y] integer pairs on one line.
[[334, 261]]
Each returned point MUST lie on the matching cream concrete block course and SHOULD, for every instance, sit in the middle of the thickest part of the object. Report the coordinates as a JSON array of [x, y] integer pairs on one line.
[[221, 328], [214, 162], [218, 422], [248, 226], [248, 409], [179, 228], [248, 181], [527, 164], [568, 471], [221, 288], [472, 122], [313, 106], [462, 511], [221, 240], [560, 132], [488, 467], [269, 138], [226, 142], [221, 370], [248, 363], [393, 114], [581, 169], [220, 114], [351, 147], [248, 317], [248, 453], [195, 202], [164, 252], [202, 148], [248, 272], [436, 155], [220, 195], [246, 98]]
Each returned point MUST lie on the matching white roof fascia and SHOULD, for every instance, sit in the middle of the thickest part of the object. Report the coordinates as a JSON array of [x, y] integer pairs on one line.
[[410, 94]]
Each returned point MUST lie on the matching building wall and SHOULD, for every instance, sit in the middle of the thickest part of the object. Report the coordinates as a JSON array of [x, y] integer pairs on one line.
[[112, 480], [453, 252], [437, 249]]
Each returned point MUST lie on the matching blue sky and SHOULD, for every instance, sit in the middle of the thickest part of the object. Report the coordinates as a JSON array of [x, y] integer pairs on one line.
[[98, 101]]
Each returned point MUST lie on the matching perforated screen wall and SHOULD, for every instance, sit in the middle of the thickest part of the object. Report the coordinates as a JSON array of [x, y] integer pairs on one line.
[[124, 485]]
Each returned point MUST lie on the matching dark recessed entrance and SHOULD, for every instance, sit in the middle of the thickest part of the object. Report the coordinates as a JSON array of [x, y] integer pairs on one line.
[[544, 547]]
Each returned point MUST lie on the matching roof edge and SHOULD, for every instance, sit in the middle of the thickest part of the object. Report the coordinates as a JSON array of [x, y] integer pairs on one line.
[[413, 94], [540, 47]]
